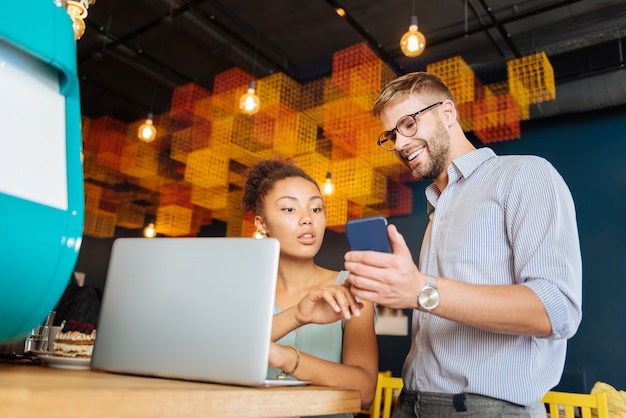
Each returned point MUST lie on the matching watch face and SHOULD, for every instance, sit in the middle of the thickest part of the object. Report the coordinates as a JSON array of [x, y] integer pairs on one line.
[[429, 298]]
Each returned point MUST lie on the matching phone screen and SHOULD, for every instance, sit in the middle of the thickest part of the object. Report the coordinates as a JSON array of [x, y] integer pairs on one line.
[[368, 234]]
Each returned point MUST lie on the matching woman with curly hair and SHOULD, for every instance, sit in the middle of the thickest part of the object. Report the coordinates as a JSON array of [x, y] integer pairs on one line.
[[320, 332]]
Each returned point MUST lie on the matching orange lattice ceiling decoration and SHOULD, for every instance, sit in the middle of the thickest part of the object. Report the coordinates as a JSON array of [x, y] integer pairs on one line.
[[191, 174]]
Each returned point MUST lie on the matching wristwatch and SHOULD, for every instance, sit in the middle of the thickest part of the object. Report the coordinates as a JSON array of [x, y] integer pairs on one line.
[[428, 297]]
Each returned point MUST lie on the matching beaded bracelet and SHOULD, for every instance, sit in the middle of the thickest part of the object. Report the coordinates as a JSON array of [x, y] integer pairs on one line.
[[283, 375]]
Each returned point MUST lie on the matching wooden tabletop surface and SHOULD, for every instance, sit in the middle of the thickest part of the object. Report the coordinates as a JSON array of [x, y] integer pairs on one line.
[[44, 392]]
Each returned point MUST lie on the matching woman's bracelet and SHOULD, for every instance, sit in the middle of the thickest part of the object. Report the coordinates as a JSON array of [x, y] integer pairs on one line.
[[283, 375]]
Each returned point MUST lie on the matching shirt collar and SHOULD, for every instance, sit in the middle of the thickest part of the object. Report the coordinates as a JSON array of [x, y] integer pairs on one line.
[[462, 166], [466, 164]]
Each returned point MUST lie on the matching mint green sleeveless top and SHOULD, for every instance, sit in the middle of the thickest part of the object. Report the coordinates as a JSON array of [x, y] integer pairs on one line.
[[322, 341]]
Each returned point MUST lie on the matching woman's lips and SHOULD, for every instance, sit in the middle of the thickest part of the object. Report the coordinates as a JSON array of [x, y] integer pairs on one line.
[[307, 238]]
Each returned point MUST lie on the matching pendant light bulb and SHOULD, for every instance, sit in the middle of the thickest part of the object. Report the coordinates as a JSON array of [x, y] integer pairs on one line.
[[77, 9], [78, 25], [147, 131], [413, 42], [149, 231], [249, 103], [329, 186]]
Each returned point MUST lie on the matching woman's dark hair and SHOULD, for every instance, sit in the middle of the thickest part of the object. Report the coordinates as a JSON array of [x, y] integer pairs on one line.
[[259, 180]]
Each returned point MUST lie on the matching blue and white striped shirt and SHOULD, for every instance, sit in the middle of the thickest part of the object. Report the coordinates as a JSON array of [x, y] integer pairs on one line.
[[500, 220]]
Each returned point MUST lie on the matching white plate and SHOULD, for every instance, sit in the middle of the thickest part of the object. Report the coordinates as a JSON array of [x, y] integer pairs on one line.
[[74, 363]]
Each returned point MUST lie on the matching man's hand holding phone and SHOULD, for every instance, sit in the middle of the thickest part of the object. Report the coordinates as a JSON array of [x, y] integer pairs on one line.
[[391, 280]]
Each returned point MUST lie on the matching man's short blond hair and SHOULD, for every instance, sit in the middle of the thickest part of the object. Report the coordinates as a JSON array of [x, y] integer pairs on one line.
[[430, 86]]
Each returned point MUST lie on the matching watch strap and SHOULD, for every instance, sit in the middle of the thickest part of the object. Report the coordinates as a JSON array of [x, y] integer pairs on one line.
[[431, 281]]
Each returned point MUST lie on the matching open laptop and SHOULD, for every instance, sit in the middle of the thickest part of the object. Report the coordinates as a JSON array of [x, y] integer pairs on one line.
[[189, 308]]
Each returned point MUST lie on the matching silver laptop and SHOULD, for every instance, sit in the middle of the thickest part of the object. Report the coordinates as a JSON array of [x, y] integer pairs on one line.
[[189, 308]]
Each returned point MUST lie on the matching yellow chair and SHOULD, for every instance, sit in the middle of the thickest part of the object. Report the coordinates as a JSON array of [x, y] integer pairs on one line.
[[368, 411], [572, 401], [387, 390]]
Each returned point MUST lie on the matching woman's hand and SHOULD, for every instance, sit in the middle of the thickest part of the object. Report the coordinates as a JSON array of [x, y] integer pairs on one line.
[[327, 304], [277, 355]]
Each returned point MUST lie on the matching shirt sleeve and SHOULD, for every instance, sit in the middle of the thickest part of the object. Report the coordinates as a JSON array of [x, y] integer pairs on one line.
[[542, 227]]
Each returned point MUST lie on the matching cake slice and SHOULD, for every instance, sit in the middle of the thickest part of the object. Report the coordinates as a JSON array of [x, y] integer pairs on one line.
[[75, 339]]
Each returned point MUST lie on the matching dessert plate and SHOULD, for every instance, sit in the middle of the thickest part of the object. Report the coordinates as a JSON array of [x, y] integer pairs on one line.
[[73, 363]]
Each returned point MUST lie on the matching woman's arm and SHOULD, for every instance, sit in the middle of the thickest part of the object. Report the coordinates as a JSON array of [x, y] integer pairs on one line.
[[359, 367], [323, 305]]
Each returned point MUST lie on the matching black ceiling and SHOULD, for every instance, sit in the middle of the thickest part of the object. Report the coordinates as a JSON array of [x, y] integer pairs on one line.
[[135, 52]]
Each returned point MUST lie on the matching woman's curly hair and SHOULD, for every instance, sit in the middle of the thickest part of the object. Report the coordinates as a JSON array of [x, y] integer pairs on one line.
[[259, 180]]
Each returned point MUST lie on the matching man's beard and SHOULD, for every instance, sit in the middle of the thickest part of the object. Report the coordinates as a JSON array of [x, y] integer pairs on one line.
[[438, 151]]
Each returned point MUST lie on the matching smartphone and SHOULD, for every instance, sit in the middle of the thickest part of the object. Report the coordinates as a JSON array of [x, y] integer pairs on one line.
[[368, 234]]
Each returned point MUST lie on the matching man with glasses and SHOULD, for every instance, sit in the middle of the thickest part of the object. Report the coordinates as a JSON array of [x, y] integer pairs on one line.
[[498, 289]]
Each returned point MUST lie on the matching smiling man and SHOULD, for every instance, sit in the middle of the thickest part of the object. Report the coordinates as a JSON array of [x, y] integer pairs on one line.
[[498, 289]]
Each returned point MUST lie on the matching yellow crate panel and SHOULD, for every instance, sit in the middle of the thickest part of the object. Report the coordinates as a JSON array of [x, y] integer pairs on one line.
[[99, 224], [535, 74], [210, 198], [173, 220], [206, 168], [93, 195], [279, 88], [139, 160], [316, 165], [336, 210], [131, 216]]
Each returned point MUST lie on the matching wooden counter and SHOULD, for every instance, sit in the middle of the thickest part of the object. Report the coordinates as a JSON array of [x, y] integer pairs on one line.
[[40, 391]]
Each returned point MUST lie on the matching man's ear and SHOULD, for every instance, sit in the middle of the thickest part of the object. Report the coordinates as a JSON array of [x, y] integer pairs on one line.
[[449, 111]]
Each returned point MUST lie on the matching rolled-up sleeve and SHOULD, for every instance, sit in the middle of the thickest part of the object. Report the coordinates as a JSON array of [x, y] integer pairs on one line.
[[543, 225]]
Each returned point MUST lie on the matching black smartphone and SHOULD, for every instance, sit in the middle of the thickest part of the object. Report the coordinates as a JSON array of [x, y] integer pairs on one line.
[[368, 234]]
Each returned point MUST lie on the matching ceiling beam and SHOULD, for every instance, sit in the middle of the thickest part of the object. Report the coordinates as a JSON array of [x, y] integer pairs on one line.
[[373, 43]]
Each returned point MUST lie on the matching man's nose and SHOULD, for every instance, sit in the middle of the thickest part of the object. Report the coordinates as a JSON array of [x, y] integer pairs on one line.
[[401, 141]]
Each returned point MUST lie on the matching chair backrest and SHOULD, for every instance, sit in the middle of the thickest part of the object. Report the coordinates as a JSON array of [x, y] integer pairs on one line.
[[384, 395], [569, 402]]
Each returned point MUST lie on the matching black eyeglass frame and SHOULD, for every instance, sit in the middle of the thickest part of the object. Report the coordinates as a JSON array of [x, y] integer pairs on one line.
[[384, 137]]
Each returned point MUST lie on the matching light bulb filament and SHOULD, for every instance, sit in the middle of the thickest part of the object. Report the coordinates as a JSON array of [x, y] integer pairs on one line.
[[413, 42], [329, 186], [249, 103], [149, 231], [147, 131]]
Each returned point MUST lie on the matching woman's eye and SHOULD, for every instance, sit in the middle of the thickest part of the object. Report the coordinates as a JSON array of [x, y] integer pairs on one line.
[[317, 210], [289, 210]]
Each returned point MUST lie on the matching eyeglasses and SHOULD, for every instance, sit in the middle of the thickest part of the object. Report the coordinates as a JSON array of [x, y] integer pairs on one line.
[[406, 125]]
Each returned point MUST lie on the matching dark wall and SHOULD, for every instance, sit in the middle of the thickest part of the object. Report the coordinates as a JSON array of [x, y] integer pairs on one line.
[[588, 150]]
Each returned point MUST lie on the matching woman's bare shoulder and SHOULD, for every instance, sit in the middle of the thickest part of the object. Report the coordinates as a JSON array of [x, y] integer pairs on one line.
[[328, 277]]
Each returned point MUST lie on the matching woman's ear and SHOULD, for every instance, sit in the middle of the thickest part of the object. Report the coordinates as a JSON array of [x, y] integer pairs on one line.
[[260, 225]]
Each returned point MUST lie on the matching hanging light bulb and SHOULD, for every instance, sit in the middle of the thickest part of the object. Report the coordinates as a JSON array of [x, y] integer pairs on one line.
[[329, 186], [78, 25], [249, 102], [149, 231], [147, 131], [77, 9], [413, 42]]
